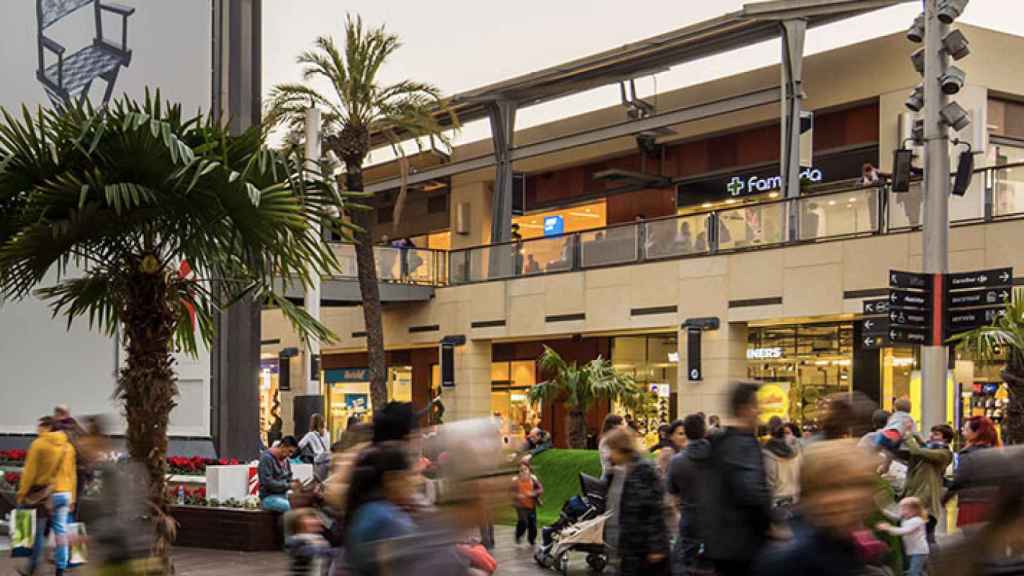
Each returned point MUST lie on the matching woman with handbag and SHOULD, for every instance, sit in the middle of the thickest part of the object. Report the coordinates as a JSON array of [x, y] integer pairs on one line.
[[48, 485]]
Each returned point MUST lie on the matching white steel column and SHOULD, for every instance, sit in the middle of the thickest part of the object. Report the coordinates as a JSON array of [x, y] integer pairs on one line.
[[935, 236], [312, 296], [793, 33]]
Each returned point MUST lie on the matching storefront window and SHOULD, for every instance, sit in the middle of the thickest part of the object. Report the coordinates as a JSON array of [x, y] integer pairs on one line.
[[898, 366], [348, 394], [510, 383], [803, 364], [653, 361], [562, 220], [270, 400]]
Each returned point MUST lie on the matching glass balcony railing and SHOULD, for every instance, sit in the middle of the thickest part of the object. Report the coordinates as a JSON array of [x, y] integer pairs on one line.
[[847, 212], [397, 265]]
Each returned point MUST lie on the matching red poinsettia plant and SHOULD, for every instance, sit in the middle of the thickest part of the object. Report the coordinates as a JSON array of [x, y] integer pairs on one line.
[[196, 465], [12, 456]]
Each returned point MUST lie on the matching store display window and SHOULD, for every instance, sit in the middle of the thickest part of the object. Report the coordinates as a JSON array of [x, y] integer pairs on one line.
[[653, 362], [348, 394], [510, 383], [804, 363]]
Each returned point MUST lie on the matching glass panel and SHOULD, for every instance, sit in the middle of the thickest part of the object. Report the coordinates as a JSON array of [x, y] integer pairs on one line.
[[346, 255], [389, 268], [970, 206], [418, 265], [611, 246], [545, 255], [752, 226], [490, 262], [677, 237], [1008, 197], [457, 271], [852, 212], [905, 207]]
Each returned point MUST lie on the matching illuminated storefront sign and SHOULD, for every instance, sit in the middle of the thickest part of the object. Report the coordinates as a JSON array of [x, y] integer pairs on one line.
[[763, 353], [738, 186]]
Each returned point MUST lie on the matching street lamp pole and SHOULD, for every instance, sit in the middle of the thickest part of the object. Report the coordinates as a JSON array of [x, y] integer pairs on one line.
[[935, 227]]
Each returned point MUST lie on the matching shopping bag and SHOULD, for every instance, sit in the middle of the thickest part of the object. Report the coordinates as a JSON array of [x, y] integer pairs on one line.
[[23, 531], [77, 544]]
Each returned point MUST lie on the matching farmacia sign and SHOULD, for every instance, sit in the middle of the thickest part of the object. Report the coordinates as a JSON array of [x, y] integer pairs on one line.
[[738, 186]]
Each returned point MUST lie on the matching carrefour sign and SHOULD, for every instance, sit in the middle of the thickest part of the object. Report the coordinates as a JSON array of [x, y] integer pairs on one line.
[[738, 186]]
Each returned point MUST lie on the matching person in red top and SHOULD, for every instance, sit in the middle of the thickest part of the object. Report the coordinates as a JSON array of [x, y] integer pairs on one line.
[[528, 491]]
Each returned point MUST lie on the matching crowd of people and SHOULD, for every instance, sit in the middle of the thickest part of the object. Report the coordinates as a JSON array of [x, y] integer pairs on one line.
[[397, 499], [865, 494]]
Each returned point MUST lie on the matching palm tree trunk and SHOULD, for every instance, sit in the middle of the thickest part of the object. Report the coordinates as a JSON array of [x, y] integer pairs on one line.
[[147, 387], [577, 429], [369, 289]]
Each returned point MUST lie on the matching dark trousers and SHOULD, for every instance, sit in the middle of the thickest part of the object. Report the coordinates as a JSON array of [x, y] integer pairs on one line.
[[732, 567], [933, 522], [526, 523]]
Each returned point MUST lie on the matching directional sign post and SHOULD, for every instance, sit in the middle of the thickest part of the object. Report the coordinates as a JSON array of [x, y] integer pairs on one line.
[[975, 299], [874, 307], [875, 325], [911, 307]]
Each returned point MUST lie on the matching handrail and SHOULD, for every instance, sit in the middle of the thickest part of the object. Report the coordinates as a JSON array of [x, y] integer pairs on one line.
[[874, 219], [863, 211]]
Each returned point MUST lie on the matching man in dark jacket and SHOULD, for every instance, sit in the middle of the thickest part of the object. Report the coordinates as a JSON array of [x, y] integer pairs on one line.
[[739, 512], [275, 474], [684, 483]]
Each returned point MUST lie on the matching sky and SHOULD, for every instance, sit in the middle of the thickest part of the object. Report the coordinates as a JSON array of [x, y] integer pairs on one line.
[[462, 44]]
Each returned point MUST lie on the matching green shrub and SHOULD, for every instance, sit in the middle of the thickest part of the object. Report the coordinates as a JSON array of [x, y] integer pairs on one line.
[[559, 472]]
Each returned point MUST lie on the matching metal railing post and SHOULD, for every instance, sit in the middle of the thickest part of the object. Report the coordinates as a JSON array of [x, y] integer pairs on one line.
[[990, 193], [713, 233]]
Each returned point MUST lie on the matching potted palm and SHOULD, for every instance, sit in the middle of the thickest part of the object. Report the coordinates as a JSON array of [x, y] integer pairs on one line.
[[578, 388], [1003, 340], [358, 106], [137, 218]]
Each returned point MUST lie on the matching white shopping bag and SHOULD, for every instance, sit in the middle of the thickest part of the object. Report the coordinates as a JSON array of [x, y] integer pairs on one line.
[[22, 531]]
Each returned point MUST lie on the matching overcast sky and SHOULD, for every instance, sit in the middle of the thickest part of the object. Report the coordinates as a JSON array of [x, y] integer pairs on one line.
[[463, 44]]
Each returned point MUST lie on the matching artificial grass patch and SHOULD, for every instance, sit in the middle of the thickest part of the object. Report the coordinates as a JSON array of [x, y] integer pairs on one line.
[[559, 472]]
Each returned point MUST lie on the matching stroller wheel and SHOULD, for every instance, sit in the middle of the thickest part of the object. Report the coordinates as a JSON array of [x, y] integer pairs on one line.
[[563, 564], [543, 558], [597, 562]]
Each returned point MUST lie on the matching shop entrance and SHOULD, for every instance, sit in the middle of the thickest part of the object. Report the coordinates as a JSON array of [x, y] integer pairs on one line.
[[800, 364]]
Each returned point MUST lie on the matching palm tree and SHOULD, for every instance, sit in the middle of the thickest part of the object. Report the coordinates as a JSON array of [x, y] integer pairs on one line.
[[1003, 341], [355, 108], [139, 217], [578, 388]]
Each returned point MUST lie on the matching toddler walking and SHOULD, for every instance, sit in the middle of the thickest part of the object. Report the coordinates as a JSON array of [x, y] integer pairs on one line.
[[912, 530]]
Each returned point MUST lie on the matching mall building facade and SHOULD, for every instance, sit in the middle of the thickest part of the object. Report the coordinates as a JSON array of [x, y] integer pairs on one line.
[[616, 244]]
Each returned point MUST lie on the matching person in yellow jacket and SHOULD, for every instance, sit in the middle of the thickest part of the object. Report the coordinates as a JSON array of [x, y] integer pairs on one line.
[[49, 476]]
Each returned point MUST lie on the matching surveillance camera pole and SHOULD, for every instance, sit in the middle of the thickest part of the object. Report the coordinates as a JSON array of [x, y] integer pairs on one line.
[[935, 227]]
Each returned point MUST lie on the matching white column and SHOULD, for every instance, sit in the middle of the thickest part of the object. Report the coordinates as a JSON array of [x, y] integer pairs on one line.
[[935, 233], [312, 296]]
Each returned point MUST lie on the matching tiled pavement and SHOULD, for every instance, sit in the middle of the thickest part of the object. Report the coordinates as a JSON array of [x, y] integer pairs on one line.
[[512, 561]]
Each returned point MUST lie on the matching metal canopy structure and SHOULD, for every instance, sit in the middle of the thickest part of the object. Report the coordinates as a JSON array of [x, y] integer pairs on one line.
[[754, 23]]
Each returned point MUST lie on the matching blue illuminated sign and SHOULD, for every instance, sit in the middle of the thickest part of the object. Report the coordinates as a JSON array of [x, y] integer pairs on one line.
[[553, 225]]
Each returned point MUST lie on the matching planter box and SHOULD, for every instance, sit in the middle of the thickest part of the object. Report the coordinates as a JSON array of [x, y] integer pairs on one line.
[[228, 529]]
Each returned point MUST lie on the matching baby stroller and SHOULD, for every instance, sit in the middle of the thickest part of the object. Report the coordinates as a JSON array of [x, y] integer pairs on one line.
[[579, 528]]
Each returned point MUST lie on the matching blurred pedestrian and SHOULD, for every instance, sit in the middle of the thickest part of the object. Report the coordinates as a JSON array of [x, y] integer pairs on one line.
[[782, 469], [673, 443], [611, 422], [913, 519], [382, 484], [308, 551], [275, 475], [684, 482], [47, 484], [837, 485], [739, 513], [926, 467], [528, 491], [794, 436], [714, 424], [641, 544], [973, 497], [536, 442]]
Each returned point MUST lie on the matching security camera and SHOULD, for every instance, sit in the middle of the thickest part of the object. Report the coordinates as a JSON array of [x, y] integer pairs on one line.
[[953, 80], [950, 10], [918, 59], [956, 45], [916, 100], [955, 116], [916, 32]]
